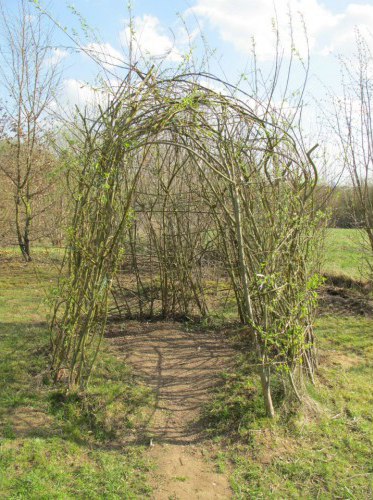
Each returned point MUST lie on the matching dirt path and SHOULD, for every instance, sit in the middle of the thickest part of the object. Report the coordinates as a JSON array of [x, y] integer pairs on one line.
[[182, 368]]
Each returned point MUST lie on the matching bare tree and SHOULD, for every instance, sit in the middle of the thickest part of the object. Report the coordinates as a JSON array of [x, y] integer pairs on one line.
[[29, 78], [354, 126]]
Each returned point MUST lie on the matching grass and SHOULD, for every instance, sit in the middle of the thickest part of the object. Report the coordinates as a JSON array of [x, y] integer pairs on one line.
[[325, 451], [59, 445], [39, 253], [53, 444], [39, 468], [343, 254]]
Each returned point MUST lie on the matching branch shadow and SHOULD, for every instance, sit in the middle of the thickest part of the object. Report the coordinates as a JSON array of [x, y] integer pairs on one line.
[[182, 368]]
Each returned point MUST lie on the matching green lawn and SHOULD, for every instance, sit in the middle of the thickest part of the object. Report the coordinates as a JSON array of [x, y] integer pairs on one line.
[[325, 449], [54, 445], [58, 445], [343, 253]]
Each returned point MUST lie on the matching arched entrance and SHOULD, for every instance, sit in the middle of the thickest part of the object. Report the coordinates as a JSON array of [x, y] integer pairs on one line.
[[205, 170]]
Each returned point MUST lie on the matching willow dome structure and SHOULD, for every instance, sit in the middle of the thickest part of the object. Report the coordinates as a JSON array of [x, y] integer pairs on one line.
[[248, 182]]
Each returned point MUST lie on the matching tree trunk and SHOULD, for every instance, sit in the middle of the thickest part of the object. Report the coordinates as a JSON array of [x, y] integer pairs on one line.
[[266, 388]]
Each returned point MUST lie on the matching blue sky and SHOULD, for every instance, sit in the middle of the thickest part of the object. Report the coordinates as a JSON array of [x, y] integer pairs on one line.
[[227, 25]]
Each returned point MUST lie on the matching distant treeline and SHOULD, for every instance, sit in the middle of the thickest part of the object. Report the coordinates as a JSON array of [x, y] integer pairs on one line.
[[344, 209]]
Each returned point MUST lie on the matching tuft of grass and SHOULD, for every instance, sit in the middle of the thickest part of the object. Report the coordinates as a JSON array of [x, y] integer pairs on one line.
[[236, 406], [106, 410]]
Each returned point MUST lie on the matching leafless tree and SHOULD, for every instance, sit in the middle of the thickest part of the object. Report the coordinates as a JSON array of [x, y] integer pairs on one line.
[[354, 125], [29, 75]]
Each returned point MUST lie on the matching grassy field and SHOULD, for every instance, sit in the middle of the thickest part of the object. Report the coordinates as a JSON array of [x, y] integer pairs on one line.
[[54, 445], [323, 451], [343, 254]]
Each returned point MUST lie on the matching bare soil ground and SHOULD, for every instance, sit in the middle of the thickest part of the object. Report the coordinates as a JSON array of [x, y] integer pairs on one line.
[[343, 301], [182, 368]]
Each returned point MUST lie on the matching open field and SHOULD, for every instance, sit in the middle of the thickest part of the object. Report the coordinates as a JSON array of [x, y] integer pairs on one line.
[[343, 254], [117, 440], [54, 446], [325, 451]]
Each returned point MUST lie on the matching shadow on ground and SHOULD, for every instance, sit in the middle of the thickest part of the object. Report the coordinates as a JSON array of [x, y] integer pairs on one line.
[[182, 368]]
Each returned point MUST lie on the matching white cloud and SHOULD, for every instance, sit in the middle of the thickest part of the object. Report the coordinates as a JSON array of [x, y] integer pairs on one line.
[[186, 36], [213, 85], [239, 21], [56, 56], [78, 93], [150, 38], [342, 40], [106, 54]]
